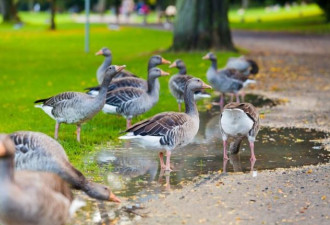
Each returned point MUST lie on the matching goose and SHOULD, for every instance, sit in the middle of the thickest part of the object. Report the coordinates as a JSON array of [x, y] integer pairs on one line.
[[154, 61], [239, 120], [76, 107], [106, 63], [130, 101], [220, 80], [30, 198], [170, 130], [177, 83], [243, 65], [36, 151]]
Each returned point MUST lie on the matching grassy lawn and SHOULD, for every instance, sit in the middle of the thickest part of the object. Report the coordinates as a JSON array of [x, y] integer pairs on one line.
[[37, 63]]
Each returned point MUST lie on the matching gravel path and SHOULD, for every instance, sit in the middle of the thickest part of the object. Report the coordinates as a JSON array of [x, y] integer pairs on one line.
[[294, 69]]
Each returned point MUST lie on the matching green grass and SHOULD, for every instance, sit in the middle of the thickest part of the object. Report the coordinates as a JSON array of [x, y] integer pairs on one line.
[[37, 63]]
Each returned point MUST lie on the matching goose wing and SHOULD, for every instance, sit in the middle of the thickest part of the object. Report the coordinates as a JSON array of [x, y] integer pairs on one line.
[[123, 95], [62, 97], [235, 74], [163, 124], [127, 82], [250, 111], [179, 82], [124, 73]]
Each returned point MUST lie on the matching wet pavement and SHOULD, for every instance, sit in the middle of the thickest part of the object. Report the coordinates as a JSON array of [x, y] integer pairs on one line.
[[134, 172]]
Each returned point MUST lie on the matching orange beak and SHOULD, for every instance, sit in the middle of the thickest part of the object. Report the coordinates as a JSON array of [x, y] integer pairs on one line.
[[172, 65], [2, 149], [163, 73], [99, 53], [206, 57], [205, 86], [120, 68], [164, 61], [114, 198]]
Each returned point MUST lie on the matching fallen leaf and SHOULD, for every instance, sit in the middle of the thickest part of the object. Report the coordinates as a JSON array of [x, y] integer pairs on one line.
[[324, 197]]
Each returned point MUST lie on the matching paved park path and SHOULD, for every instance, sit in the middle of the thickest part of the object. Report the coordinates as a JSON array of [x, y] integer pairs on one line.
[[295, 69]]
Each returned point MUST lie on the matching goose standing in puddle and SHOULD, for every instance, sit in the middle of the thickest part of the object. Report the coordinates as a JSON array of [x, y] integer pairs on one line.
[[38, 152], [178, 81], [75, 107], [170, 130], [239, 120], [31, 198]]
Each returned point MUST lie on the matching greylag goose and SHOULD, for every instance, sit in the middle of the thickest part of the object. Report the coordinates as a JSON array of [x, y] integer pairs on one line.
[[239, 120], [178, 81], [170, 130], [130, 101], [38, 152], [220, 80], [243, 65], [76, 107], [30, 198], [154, 61], [100, 73]]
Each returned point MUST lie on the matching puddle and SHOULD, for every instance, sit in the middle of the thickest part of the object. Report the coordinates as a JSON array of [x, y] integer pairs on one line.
[[136, 176], [256, 100]]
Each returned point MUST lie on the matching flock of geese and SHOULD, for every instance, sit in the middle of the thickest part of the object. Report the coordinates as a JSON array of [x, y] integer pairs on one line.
[[36, 176]]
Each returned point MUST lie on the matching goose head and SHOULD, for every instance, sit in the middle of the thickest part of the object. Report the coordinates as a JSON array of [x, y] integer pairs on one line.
[[196, 84], [156, 72], [101, 192], [157, 60], [7, 147], [177, 63], [112, 70], [210, 56], [104, 51]]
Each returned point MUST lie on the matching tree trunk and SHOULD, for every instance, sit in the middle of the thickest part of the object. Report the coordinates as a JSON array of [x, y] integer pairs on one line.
[[52, 14], [221, 32], [201, 25], [9, 11]]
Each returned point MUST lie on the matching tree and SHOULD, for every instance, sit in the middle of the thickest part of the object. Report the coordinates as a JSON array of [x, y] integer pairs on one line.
[[202, 24], [52, 14], [9, 11], [325, 5]]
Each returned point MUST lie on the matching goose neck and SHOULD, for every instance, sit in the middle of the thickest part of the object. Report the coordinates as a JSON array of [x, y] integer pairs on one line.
[[214, 64], [153, 86], [182, 70], [190, 104]]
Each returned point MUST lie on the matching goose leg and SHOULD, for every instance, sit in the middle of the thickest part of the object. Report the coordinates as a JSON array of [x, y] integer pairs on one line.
[[221, 101], [243, 96], [237, 97], [231, 97], [78, 132], [168, 160], [179, 105], [57, 127], [253, 157], [225, 157], [161, 160], [224, 166], [128, 123]]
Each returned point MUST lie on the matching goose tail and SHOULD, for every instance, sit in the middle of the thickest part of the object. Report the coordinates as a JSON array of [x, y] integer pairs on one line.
[[76, 205], [249, 81], [127, 136], [254, 65]]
